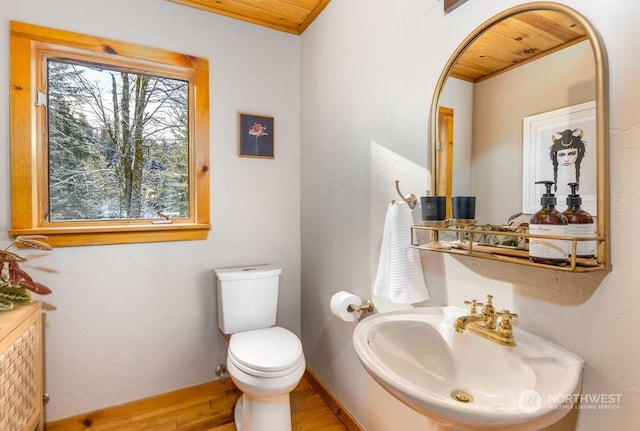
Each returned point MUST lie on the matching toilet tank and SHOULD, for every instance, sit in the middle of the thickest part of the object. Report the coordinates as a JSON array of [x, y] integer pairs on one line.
[[247, 297]]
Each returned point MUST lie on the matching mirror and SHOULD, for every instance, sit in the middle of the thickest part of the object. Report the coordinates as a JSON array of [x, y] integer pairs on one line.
[[511, 89]]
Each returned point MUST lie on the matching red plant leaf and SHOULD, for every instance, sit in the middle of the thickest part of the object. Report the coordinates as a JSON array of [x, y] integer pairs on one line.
[[15, 273], [36, 287], [7, 256], [20, 278], [11, 275], [27, 283]]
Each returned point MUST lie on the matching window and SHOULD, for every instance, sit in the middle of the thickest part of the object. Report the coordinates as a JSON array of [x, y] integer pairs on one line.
[[109, 140]]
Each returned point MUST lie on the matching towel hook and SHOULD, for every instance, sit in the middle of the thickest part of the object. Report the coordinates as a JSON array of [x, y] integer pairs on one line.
[[410, 199]]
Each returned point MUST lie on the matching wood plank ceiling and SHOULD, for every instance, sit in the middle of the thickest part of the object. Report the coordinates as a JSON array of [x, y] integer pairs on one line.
[[510, 43], [291, 16], [516, 41]]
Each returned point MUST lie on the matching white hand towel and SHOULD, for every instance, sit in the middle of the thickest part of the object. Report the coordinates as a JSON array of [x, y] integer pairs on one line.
[[400, 278]]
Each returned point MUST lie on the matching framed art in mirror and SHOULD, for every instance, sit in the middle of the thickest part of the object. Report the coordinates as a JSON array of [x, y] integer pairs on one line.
[[557, 146]]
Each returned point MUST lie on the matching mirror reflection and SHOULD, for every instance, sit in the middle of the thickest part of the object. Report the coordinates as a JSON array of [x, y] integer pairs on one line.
[[533, 65]]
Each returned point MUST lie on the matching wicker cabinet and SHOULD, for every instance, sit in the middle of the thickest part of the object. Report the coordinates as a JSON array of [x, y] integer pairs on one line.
[[21, 368]]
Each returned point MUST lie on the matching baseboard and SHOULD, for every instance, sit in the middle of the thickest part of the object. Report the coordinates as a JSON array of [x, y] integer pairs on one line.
[[334, 404]]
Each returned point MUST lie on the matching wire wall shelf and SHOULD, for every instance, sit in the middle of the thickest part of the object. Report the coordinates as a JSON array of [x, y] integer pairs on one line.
[[502, 243]]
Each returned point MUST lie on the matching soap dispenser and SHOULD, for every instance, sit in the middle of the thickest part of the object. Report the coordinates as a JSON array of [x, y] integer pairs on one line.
[[548, 221], [580, 224]]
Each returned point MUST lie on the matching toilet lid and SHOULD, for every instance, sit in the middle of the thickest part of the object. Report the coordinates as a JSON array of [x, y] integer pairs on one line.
[[270, 349]]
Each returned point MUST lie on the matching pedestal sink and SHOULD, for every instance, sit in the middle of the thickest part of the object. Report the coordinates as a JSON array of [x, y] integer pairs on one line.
[[463, 380]]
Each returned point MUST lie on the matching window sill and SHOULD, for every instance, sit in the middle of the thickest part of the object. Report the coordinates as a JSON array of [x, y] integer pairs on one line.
[[101, 235]]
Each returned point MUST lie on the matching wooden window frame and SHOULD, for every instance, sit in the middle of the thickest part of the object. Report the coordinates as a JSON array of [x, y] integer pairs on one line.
[[29, 170]]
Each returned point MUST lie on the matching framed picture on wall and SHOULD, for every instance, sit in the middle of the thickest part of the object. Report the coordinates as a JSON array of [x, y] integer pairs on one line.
[[560, 146], [450, 5], [256, 136]]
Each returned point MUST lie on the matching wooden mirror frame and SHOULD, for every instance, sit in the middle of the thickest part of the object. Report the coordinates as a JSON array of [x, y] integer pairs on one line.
[[602, 114]]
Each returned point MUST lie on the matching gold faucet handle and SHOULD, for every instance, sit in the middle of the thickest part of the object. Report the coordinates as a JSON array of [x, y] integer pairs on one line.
[[474, 305], [506, 314], [507, 317], [489, 311], [489, 303]]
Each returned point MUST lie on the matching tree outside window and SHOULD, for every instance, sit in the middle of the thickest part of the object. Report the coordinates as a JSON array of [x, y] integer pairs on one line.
[[118, 144]]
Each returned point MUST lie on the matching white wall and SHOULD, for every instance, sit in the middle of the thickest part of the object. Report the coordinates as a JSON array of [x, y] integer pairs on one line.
[[136, 320], [369, 68], [367, 79]]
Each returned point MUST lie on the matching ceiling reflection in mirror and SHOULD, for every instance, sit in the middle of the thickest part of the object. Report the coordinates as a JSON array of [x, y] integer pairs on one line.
[[515, 41], [529, 63]]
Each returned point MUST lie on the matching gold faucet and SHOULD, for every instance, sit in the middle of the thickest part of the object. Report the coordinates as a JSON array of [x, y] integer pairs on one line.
[[485, 323]]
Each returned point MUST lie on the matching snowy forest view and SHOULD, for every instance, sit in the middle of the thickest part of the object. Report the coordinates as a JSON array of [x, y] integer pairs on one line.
[[118, 144]]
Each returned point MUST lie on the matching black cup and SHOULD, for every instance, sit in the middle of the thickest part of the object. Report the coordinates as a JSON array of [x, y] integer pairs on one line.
[[434, 208], [463, 207]]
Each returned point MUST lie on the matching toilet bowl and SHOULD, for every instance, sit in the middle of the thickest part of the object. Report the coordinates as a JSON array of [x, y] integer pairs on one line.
[[266, 365], [265, 361]]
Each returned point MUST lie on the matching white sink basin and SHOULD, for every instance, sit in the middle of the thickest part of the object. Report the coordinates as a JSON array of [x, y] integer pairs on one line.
[[463, 380]]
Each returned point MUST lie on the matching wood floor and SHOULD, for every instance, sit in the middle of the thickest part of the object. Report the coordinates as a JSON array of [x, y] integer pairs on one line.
[[207, 407]]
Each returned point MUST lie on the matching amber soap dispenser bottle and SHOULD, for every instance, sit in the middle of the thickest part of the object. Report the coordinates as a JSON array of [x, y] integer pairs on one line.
[[580, 224], [548, 221]]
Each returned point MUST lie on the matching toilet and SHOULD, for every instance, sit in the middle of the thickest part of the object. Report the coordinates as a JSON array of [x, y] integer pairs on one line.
[[265, 361]]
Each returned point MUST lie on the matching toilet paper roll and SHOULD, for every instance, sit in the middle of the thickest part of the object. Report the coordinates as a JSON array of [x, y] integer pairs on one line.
[[340, 303]]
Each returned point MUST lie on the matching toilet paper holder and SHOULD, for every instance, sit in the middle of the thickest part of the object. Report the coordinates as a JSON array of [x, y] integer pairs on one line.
[[347, 306], [366, 306]]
